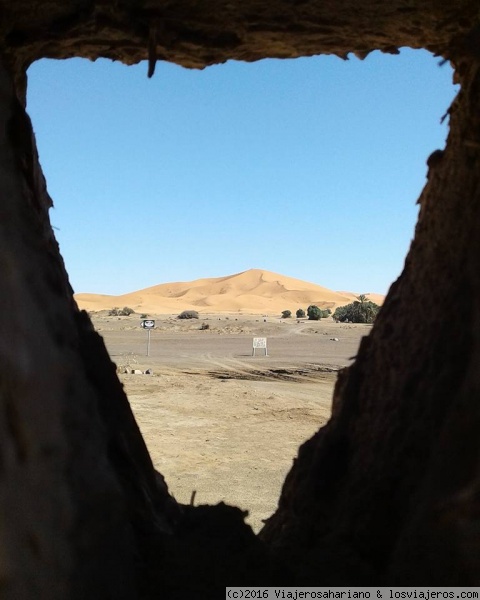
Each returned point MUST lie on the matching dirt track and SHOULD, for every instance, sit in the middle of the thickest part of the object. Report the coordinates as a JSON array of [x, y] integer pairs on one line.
[[218, 420]]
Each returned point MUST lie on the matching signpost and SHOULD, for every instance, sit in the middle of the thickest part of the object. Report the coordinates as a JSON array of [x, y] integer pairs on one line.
[[259, 343], [148, 324]]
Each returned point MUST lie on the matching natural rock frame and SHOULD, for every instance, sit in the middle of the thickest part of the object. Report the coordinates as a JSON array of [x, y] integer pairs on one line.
[[387, 493]]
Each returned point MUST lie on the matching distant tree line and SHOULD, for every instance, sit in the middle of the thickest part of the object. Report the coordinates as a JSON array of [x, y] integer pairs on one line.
[[314, 313], [361, 310]]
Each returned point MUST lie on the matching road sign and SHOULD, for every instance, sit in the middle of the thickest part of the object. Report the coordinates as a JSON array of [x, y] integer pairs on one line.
[[148, 324], [259, 343]]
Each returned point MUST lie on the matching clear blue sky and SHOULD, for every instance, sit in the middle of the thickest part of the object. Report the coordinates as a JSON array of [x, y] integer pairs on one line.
[[310, 168]]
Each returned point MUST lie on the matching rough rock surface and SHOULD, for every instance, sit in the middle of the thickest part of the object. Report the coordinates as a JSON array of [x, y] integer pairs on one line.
[[388, 492]]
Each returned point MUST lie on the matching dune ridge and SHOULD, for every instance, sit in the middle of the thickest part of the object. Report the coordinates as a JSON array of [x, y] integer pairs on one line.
[[255, 291]]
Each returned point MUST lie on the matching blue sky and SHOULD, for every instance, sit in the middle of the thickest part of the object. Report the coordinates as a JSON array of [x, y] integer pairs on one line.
[[310, 167]]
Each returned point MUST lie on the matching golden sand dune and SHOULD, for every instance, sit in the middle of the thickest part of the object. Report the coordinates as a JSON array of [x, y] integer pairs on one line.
[[254, 291]]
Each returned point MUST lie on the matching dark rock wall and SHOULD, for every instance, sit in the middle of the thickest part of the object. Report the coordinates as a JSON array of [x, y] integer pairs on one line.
[[197, 34], [387, 492]]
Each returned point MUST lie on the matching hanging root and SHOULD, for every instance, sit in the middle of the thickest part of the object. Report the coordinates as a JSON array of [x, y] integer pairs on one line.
[[152, 50]]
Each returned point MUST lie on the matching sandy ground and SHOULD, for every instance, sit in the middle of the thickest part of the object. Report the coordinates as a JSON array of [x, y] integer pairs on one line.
[[217, 420]]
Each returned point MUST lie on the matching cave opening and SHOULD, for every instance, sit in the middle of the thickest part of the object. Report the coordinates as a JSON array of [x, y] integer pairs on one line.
[[134, 194]]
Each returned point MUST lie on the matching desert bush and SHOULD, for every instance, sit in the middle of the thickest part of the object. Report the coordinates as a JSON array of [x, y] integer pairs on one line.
[[300, 313], [314, 313], [188, 314], [120, 312], [144, 316], [286, 314], [204, 326], [359, 311]]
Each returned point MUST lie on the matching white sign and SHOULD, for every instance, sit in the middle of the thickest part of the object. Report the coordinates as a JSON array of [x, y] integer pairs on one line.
[[148, 324], [259, 343]]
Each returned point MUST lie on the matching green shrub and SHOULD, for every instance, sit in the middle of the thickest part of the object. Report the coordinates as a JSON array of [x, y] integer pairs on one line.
[[120, 312], [300, 313], [188, 314], [286, 314], [314, 313], [359, 311]]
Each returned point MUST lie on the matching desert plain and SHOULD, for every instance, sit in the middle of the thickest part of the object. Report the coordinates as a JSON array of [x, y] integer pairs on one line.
[[220, 423]]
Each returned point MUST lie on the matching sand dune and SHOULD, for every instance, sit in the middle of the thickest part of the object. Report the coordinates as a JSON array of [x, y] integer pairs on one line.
[[254, 291]]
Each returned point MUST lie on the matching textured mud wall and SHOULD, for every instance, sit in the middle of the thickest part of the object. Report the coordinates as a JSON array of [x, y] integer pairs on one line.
[[387, 492], [197, 34]]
